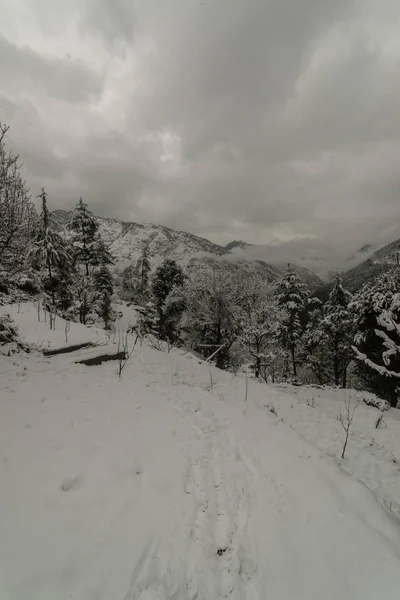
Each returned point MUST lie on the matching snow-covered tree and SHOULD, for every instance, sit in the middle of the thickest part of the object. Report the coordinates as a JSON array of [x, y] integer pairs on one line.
[[49, 249], [211, 317], [291, 298], [143, 269], [105, 289], [85, 295], [329, 337], [377, 340], [258, 314], [128, 282], [18, 218], [168, 276], [89, 254], [147, 321], [88, 249]]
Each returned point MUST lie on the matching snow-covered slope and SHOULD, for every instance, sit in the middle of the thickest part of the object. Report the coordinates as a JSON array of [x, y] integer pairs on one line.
[[126, 241], [33, 327], [379, 262], [154, 487]]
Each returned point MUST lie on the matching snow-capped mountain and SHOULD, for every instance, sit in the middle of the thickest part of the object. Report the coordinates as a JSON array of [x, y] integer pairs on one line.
[[126, 241]]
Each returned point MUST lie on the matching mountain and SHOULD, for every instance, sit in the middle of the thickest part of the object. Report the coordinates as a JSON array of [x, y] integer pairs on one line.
[[237, 244], [126, 241], [246, 251], [379, 262]]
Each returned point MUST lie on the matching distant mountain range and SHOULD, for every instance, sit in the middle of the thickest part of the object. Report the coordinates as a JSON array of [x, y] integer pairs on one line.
[[126, 241]]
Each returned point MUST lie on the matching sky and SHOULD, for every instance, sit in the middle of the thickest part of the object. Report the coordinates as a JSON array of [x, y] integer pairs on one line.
[[272, 121]]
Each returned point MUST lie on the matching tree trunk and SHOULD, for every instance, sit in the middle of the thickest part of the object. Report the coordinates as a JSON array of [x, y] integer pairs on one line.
[[51, 283], [257, 369], [336, 369], [293, 353], [344, 376]]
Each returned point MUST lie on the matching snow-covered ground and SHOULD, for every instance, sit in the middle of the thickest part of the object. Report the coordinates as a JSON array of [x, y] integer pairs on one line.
[[35, 331], [165, 484]]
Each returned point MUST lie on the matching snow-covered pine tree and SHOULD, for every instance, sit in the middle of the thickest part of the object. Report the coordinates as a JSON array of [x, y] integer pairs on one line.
[[168, 276], [105, 289], [377, 340], [83, 228], [291, 298], [49, 250], [88, 248], [89, 253], [143, 269], [147, 321], [128, 282], [329, 338]]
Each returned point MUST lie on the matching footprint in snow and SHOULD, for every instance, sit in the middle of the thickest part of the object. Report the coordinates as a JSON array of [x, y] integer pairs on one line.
[[71, 484]]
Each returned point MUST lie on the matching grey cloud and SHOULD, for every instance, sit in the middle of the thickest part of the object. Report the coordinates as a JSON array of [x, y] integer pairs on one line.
[[112, 20], [24, 70], [286, 114]]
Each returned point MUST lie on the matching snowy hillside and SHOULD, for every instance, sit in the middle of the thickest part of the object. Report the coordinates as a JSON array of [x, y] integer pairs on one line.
[[126, 241], [166, 484], [379, 262]]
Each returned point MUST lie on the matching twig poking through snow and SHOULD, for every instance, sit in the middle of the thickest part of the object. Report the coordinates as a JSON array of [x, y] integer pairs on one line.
[[67, 327], [346, 418], [125, 353]]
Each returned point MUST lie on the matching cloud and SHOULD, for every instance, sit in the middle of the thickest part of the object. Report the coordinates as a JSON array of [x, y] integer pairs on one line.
[[274, 122], [25, 70]]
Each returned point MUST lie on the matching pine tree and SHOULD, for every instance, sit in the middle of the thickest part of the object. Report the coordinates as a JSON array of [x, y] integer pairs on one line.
[[49, 249], [377, 340], [89, 252], [291, 299], [143, 270], [147, 321], [83, 228], [88, 248], [129, 283], [329, 340], [169, 275], [105, 289]]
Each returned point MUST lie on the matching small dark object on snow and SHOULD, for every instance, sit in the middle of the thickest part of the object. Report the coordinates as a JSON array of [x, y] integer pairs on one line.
[[221, 551]]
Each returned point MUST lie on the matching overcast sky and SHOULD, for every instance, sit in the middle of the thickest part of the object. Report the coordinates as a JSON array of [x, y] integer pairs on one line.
[[262, 120]]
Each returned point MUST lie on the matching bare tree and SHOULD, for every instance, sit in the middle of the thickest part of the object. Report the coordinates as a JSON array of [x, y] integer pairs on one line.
[[18, 217], [346, 418], [52, 319], [124, 353]]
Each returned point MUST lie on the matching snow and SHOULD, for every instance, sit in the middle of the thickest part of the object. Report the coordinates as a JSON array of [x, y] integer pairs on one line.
[[38, 332], [154, 487]]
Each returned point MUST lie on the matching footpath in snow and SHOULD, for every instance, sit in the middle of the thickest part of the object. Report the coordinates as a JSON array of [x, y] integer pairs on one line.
[[165, 484]]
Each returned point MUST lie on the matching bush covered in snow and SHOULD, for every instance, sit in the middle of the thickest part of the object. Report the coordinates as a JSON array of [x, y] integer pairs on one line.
[[8, 335]]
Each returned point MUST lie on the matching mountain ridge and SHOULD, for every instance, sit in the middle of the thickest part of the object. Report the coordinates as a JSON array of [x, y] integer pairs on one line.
[[127, 239]]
